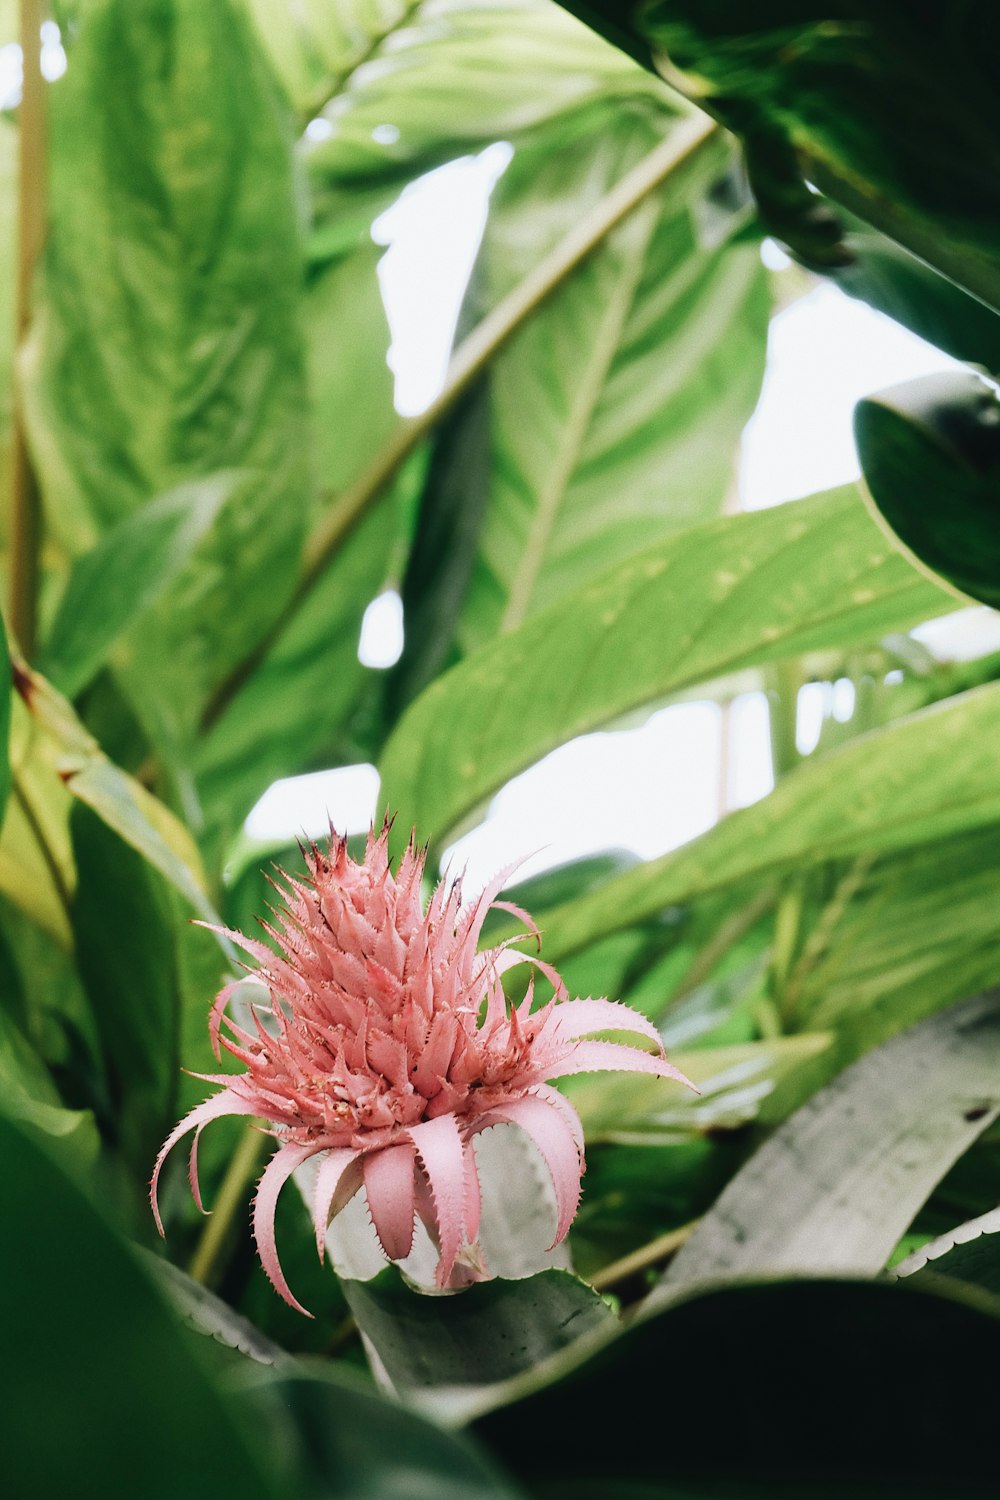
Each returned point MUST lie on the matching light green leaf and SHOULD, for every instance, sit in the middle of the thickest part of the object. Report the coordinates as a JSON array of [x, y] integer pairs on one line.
[[167, 344], [743, 589], [618, 406], [835, 1187], [123, 575], [923, 778]]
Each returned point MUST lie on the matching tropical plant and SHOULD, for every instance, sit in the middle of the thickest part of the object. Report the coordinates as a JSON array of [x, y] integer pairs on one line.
[[210, 483]]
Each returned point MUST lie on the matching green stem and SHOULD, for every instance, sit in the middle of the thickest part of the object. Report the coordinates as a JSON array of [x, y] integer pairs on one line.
[[232, 1196], [25, 504], [684, 144], [653, 1254]]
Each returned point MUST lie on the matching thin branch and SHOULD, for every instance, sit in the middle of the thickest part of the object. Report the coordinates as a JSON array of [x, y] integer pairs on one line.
[[25, 504], [684, 144]]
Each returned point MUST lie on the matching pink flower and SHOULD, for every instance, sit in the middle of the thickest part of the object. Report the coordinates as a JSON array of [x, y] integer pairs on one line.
[[388, 1046]]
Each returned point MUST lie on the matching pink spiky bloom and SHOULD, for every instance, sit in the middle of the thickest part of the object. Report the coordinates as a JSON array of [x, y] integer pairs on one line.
[[389, 1045]]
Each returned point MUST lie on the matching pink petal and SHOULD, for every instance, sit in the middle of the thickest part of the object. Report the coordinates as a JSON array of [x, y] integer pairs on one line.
[[604, 1057], [563, 1107], [389, 1188], [277, 1172], [337, 1180], [576, 1018], [439, 1147], [226, 1103], [554, 1139]]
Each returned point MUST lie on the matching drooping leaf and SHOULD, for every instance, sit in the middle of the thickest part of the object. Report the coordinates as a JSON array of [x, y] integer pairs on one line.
[[889, 117], [797, 578], [930, 451], [486, 1333], [834, 1188], [847, 1426]]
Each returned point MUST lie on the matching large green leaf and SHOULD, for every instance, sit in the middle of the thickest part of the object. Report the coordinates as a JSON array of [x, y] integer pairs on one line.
[[135, 1404], [736, 591], [483, 1334], [926, 777], [456, 76], [889, 112], [930, 451], [336, 1439], [167, 343], [836, 1186], [617, 408], [679, 1403]]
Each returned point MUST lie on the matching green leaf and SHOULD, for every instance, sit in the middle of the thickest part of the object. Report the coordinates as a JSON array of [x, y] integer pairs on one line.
[[923, 778], [123, 925], [618, 406], [135, 1404], [338, 1440], [123, 575], [483, 1334], [5, 724], [839, 1360], [835, 1187], [891, 119], [167, 343], [796, 578], [930, 451]]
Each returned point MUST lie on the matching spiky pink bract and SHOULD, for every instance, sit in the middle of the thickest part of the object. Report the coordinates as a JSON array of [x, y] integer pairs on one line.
[[389, 1045]]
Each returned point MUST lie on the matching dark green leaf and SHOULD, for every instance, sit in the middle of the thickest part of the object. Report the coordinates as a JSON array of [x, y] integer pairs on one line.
[[123, 923], [930, 451], [486, 1333], [338, 1440], [681, 1400], [835, 1187], [887, 110], [135, 1405]]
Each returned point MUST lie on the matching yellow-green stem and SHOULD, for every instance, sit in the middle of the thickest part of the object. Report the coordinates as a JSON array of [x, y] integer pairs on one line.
[[653, 1254], [232, 1196]]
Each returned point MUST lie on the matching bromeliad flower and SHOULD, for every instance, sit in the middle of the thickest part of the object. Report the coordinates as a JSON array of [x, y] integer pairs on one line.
[[388, 1046]]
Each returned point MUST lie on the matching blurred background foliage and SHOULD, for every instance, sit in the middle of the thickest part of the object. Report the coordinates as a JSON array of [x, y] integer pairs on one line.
[[210, 483]]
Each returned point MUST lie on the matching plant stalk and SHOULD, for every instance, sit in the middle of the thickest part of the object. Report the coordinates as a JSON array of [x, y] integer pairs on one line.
[[25, 501], [653, 1254], [232, 1195], [685, 143]]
